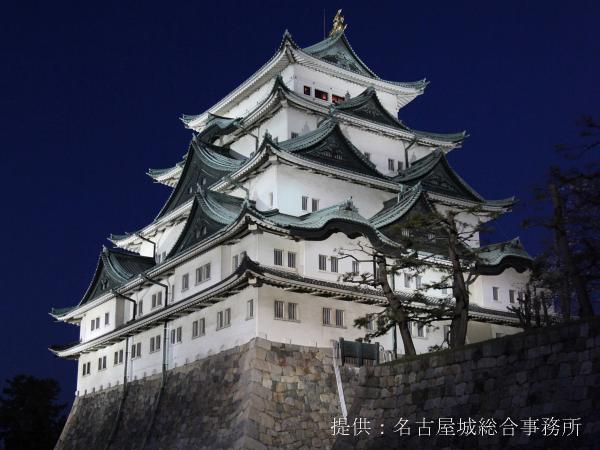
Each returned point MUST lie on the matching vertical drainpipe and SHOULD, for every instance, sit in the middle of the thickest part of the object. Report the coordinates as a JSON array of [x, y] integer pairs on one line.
[[117, 294], [164, 363], [413, 142]]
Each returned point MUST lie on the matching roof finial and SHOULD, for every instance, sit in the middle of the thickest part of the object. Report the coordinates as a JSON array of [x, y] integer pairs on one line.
[[338, 24]]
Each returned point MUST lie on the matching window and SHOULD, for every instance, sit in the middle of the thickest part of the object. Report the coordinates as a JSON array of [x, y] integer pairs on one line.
[[391, 165], [418, 281], [235, 262], [405, 232], [407, 280], [97, 322], [136, 350], [278, 257], [176, 335], [93, 324], [339, 318], [294, 135], [198, 328], [355, 267], [271, 199], [278, 305], [250, 309], [495, 293], [185, 282], [154, 344], [368, 156], [315, 204], [285, 310], [203, 273], [87, 368], [337, 99], [326, 316], [322, 262], [371, 324], [400, 166], [521, 296], [417, 329], [511, 296], [102, 363], [292, 311], [307, 90], [292, 260], [321, 95], [304, 203], [334, 264], [223, 318], [118, 357], [156, 299], [140, 307], [106, 318]]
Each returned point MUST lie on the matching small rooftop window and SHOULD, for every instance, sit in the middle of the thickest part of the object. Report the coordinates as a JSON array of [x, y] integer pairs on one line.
[[336, 99], [321, 95]]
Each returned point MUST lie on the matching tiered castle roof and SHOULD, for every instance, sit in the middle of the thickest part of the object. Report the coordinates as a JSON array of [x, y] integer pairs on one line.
[[209, 171]]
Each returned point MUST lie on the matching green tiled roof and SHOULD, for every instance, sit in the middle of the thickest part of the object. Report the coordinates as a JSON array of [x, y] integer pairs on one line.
[[328, 144], [114, 268], [493, 254], [154, 173], [367, 106], [337, 50], [436, 175], [203, 161], [396, 208]]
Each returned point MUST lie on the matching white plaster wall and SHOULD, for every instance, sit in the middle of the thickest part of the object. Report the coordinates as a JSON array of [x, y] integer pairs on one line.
[[109, 307], [507, 280], [304, 76], [380, 147], [307, 330], [292, 184], [111, 376]]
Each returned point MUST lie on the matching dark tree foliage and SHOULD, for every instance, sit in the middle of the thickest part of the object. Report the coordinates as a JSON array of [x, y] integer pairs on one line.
[[570, 263], [30, 417], [533, 307], [440, 240]]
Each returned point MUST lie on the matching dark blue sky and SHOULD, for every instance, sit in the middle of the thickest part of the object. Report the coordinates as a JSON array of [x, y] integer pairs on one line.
[[92, 92]]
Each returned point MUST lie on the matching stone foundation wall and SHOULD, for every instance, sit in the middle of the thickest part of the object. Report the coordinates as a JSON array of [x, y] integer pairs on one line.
[[543, 373], [265, 395], [259, 395]]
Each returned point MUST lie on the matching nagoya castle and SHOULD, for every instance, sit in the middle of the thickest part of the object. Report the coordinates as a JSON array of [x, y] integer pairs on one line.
[[305, 157]]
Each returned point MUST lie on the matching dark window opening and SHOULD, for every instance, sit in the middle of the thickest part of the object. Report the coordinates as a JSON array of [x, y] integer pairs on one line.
[[336, 99], [306, 90], [321, 95]]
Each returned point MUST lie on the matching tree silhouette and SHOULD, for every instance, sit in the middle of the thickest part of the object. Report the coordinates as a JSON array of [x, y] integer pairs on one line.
[[30, 417]]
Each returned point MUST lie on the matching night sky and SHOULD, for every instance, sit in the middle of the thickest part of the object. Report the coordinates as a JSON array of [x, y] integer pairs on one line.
[[92, 92]]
